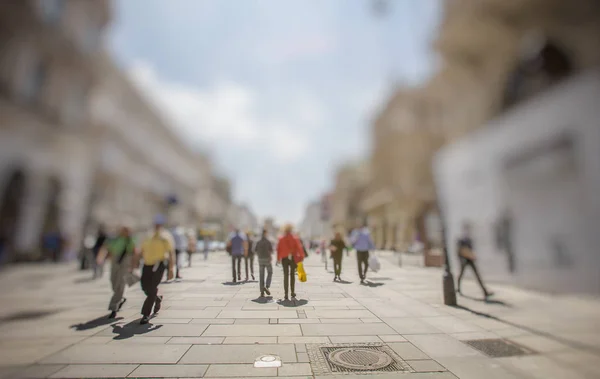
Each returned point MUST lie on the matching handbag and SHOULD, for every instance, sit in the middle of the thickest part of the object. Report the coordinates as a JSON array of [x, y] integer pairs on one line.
[[465, 252], [301, 272], [374, 263]]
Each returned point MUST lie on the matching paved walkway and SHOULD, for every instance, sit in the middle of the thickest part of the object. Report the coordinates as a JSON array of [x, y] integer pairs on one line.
[[53, 324]]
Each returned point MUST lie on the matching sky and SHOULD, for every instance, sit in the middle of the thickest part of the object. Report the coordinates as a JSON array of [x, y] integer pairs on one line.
[[279, 92]]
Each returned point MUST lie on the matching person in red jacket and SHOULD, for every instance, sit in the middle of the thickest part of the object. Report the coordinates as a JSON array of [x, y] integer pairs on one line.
[[289, 252]]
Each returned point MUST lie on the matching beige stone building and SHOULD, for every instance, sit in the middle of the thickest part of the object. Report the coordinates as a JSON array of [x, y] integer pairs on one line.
[[47, 139], [350, 184]]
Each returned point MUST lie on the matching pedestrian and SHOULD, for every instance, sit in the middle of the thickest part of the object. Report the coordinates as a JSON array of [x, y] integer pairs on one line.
[[206, 247], [237, 244], [249, 258], [121, 250], [467, 259], [180, 247], [337, 247], [191, 246], [100, 241], [264, 251], [158, 253], [289, 252], [323, 248], [362, 243]]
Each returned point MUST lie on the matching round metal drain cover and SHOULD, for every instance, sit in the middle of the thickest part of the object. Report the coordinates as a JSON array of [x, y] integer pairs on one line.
[[360, 359]]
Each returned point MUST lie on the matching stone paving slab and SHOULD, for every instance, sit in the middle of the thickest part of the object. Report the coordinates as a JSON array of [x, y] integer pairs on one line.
[[169, 371], [214, 354], [345, 329], [94, 371], [122, 353], [254, 331]]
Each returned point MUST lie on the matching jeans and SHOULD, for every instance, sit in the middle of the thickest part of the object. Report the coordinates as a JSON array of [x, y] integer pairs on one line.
[[249, 257], [464, 262], [289, 276], [363, 263], [236, 259], [177, 264], [150, 280], [262, 267], [337, 262]]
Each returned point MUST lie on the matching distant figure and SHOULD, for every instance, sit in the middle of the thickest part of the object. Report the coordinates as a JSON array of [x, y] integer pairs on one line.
[[100, 240], [264, 251], [191, 246], [337, 247], [467, 258], [237, 244], [289, 252], [362, 243], [323, 248], [181, 245], [249, 258], [206, 247]]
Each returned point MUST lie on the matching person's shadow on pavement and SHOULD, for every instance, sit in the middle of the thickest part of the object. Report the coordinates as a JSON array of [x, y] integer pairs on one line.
[[263, 300], [292, 303], [232, 283], [100, 321], [372, 284], [488, 300], [341, 281], [132, 329]]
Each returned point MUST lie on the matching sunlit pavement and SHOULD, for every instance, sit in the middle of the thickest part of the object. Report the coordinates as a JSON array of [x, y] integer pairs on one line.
[[54, 325]]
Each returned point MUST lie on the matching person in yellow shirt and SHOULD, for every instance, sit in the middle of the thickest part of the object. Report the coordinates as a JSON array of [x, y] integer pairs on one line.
[[157, 253]]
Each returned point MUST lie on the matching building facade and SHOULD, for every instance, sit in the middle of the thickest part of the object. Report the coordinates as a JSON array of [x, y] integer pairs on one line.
[[314, 224], [47, 138], [345, 202]]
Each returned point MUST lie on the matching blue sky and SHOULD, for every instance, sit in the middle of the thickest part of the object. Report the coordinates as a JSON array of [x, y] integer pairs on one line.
[[279, 92]]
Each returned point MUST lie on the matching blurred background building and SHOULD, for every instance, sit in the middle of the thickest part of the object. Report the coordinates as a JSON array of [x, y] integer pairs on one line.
[[80, 145], [315, 223], [496, 58]]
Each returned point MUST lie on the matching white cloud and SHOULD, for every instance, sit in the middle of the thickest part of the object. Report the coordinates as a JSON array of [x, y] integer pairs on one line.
[[227, 115]]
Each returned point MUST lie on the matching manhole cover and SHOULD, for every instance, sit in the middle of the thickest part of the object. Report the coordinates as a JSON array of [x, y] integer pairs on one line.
[[497, 348], [345, 358], [360, 359]]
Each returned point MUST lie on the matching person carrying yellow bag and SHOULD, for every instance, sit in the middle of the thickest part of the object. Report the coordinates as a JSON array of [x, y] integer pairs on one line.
[[290, 253]]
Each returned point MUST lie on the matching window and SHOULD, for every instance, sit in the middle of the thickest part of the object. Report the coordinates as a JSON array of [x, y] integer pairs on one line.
[[52, 10], [34, 81]]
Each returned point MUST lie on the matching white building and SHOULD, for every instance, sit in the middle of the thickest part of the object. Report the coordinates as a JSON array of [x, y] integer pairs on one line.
[[47, 143], [539, 164], [312, 225]]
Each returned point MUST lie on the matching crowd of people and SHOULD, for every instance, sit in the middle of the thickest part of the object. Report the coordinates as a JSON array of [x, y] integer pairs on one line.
[[160, 252]]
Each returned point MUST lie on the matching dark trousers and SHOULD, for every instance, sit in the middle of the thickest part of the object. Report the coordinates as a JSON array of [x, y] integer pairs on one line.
[[289, 276], [249, 259], [362, 258], [177, 253], [464, 262], [337, 262], [236, 259], [150, 280], [262, 267]]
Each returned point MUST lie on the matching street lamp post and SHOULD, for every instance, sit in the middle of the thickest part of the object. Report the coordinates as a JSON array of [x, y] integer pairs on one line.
[[448, 278]]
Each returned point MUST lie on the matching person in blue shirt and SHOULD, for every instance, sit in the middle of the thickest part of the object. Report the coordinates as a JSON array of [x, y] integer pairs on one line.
[[237, 245], [362, 243]]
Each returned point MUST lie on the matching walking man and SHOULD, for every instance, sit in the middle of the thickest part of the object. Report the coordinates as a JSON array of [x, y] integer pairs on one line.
[[206, 247], [264, 251], [121, 250], [337, 247], [157, 252], [289, 252], [237, 244], [467, 259], [100, 241], [249, 258], [362, 243]]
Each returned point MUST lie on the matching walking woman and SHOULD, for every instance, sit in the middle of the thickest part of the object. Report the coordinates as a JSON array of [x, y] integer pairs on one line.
[[337, 247], [289, 252]]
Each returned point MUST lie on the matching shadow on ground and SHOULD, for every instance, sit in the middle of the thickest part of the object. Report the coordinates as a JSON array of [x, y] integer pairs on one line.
[[341, 281], [83, 280], [28, 315], [132, 329], [263, 300], [100, 321], [372, 284], [232, 283], [488, 301], [292, 303]]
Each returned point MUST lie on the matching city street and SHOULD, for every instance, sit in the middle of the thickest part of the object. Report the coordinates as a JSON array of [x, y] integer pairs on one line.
[[54, 324]]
